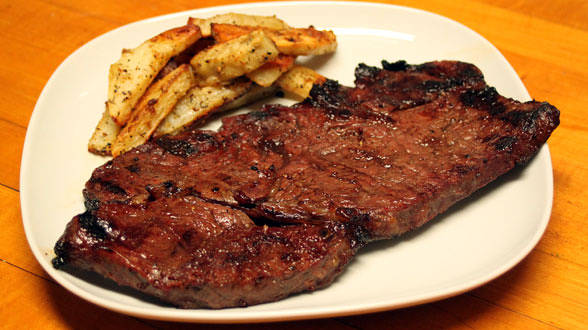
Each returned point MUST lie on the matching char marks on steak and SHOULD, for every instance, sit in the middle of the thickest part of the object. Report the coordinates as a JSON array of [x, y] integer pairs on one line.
[[279, 200]]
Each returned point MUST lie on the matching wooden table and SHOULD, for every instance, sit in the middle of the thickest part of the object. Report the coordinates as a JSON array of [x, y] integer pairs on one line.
[[547, 43]]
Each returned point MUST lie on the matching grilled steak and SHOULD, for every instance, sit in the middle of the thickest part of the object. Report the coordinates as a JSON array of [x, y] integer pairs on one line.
[[279, 200]]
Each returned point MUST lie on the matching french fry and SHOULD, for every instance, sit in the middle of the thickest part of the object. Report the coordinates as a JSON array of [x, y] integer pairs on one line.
[[271, 22], [299, 80], [104, 135], [225, 32], [307, 41], [254, 94], [157, 102], [200, 102], [268, 73], [228, 60], [130, 76], [292, 41]]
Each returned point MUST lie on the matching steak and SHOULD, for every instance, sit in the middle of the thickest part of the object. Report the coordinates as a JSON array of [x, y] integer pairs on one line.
[[279, 200]]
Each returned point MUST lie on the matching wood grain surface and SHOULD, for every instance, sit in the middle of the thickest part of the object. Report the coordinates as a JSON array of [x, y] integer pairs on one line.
[[546, 41]]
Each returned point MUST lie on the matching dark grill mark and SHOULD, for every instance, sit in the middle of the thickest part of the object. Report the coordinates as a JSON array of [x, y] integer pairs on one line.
[[461, 169], [203, 137], [468, 73], [171, 188], [176, 147], [62, 255], [187, 236], [134, 168], [505, 143], [108, 186], [92, 204], [263, 114], [483, 99], [395, 66], [152, 193], [364, 70], [432, 85], [93, 225], [114, 188], [326, 94], [344, 113]]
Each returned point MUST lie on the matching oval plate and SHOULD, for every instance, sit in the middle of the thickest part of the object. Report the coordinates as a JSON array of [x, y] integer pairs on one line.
[[473, 243]]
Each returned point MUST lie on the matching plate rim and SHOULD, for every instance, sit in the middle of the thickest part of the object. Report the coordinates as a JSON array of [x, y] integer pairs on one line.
[[267, 316]]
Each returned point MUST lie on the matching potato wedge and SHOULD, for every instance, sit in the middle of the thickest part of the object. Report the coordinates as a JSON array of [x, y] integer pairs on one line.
[[130, 76], [200, 102], [292, 41], [104, 135], [268, 73], [271, 22], [236, 57], [299, 80], [157, 102], [304, 41], [201, 23], [255, 93], [225, 32]]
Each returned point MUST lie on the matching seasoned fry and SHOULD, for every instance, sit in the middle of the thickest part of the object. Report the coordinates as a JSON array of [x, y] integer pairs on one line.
[[292, 41], [228, 60], [225, 32], [304, 41], [271, 22], [200, 102], [130, 76], [154, 105], [268, 73], [299, 80], [104, 135], [255, 93]]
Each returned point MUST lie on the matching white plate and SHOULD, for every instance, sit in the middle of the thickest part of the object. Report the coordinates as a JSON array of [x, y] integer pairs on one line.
[[476, 241]]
